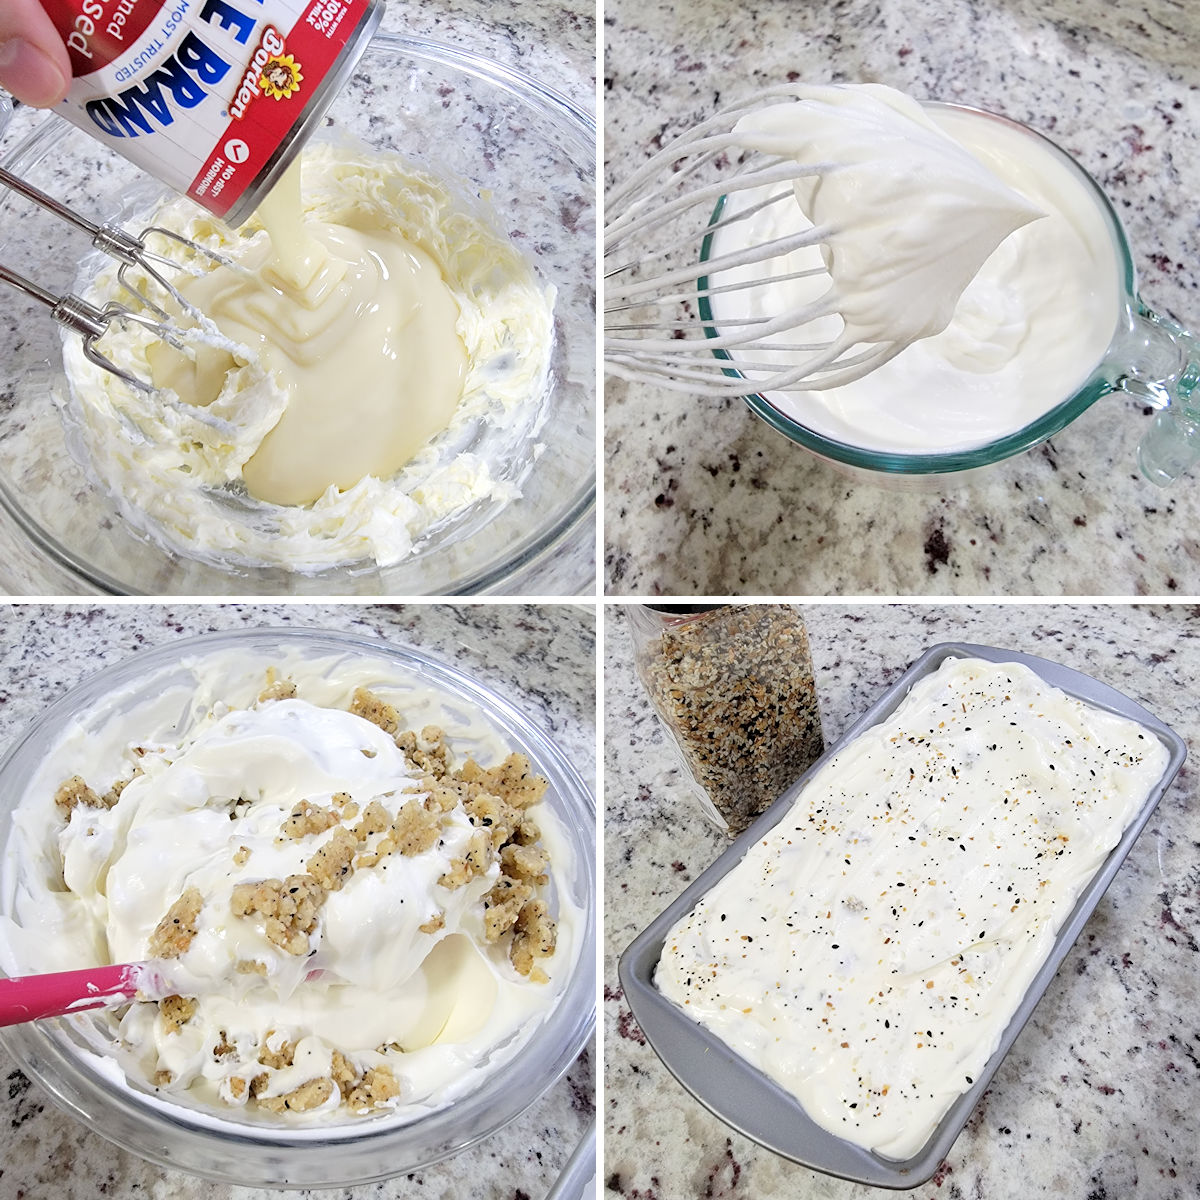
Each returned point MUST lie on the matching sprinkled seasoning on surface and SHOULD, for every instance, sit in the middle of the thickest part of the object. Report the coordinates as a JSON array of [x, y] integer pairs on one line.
[[734, 688], [902, 906]]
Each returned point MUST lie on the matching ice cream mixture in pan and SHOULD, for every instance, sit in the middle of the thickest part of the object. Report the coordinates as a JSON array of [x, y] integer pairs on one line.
[[868, 952]]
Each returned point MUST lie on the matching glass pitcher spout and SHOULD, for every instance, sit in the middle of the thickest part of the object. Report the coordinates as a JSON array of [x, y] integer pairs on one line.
[[1161, 366]]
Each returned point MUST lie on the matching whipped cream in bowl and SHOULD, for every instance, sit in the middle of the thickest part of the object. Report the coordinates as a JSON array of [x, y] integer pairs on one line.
[[368, 878], [1011, 326]]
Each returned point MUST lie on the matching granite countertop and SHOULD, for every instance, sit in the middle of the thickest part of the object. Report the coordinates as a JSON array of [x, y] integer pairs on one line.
[[701, 498], [541, 658], [1100, 1096], [554, 43]]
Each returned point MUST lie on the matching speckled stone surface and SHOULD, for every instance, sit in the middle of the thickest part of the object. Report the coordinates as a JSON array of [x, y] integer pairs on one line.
[[701, 498], [555, 43], [1100, 1096], [543, 659]]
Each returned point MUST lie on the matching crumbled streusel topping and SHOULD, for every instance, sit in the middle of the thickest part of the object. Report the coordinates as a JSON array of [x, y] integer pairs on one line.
[[289, 907], [75, 791], [367, 705], [332, 864], [174, 933], [308, 818], [311, 1094], [176, 1011]]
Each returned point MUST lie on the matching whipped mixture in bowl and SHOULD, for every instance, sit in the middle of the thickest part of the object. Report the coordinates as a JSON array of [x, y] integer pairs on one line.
[[322, 408], [988, 249], [367, 879], [442, 154]]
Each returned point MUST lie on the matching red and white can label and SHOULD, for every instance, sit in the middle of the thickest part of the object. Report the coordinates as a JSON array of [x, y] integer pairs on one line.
[[201, 93]]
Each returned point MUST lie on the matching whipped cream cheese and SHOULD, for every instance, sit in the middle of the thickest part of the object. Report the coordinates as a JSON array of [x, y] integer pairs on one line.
[[869, 951], [394, 985], [936, 243], [337, 400]]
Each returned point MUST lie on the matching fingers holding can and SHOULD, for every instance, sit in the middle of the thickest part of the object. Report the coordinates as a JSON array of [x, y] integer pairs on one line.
[[34, 65]]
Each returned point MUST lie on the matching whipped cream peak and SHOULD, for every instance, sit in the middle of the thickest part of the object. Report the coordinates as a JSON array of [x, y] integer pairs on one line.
[[1031, 326], [910, 216]]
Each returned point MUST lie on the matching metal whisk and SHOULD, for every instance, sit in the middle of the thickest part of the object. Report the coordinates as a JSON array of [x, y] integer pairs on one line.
[[91, 322], [663, 253]]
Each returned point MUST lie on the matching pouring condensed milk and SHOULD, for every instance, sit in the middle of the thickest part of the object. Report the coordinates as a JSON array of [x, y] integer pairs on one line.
[[191, 94], [332, 311], [366, 331], [337, 371]]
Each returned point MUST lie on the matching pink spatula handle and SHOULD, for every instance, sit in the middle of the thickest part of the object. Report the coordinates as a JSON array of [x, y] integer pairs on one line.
[[31, 997]]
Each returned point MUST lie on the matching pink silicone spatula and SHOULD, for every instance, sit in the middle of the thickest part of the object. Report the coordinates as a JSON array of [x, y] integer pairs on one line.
[[59, 994], [32, 997]]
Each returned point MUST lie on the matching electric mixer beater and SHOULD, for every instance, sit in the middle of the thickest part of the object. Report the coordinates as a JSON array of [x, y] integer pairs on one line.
[[92, 323]]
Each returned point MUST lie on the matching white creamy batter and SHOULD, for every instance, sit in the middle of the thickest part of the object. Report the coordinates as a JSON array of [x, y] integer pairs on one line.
[[340, 410], [933, 240], [396, 974], [869, 951]]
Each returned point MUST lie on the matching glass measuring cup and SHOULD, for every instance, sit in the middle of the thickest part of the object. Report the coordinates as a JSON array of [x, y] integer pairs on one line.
[[1149, 357]]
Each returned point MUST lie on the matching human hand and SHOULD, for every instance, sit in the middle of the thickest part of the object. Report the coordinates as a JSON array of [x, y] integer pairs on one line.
[[33, 59]]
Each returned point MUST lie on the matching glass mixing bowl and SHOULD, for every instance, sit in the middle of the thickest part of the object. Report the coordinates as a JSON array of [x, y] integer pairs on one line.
[[486, 130], [1150, 357], [56, 1054]]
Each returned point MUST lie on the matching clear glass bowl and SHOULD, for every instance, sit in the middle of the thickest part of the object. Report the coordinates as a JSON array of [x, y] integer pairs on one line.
[[487, 131], [1150, 357], [52, 1052]]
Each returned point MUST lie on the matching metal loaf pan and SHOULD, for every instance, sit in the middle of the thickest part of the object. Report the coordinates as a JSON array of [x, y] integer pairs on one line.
[[755, 1105]]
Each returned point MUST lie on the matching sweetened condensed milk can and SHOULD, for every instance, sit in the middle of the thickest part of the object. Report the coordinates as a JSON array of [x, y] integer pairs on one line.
[[213, 97]]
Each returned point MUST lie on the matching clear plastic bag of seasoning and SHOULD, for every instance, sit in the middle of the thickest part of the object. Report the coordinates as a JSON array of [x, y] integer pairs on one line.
[[733, 684]]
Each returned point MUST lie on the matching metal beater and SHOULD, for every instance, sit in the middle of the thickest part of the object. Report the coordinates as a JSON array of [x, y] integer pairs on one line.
[[87, 320]]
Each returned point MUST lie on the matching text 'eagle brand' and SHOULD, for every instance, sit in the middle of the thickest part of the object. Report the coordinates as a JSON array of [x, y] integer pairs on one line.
[[213, 97]]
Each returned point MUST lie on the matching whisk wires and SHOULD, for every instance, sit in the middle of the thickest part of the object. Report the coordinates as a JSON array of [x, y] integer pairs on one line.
[[671, 246]]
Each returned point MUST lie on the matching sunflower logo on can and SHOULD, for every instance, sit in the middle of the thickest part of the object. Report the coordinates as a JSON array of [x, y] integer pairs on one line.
[[281, 76]]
